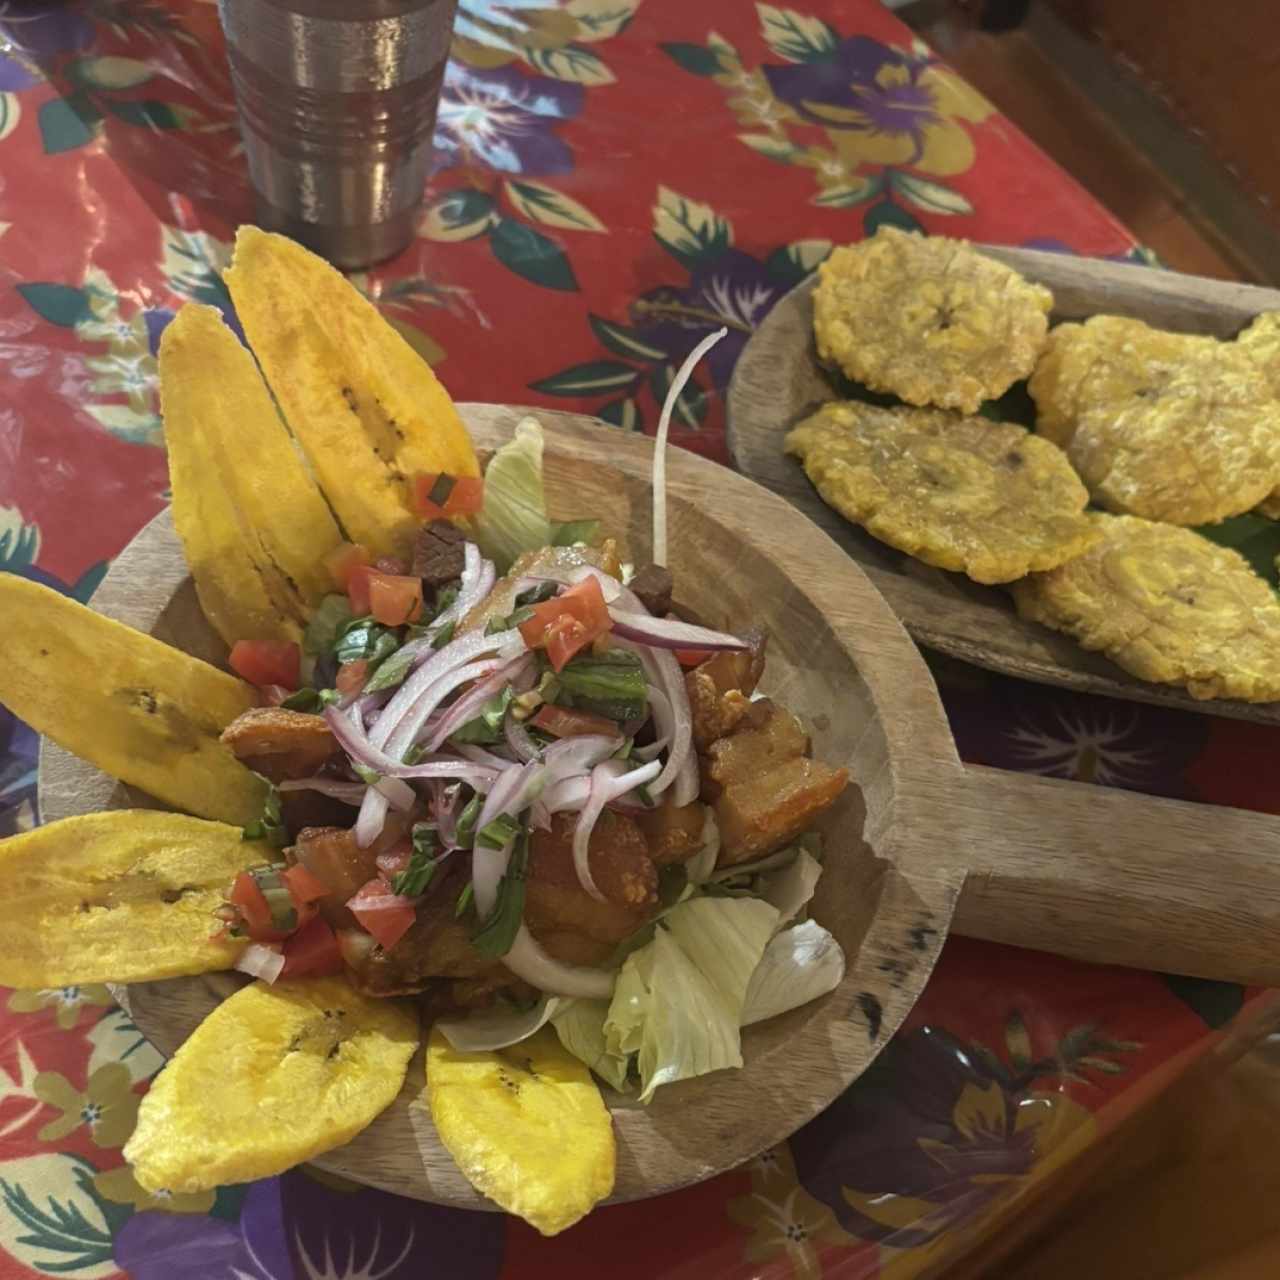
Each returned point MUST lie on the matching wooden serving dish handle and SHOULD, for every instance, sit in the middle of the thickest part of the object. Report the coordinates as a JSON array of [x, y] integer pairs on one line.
[[1116, 877]]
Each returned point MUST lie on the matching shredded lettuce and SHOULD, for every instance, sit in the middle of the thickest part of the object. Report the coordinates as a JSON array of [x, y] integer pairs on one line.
[[500, 1026], [799, 965], [580, 1026], [514, 518], [678, 1001], [790, 888]]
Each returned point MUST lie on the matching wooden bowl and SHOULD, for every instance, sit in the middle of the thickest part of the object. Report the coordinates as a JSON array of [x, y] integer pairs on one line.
[[778, 380], [900, 845]]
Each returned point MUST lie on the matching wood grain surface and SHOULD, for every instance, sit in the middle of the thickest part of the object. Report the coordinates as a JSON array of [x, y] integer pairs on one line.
[[1100, 874], [778, 380]]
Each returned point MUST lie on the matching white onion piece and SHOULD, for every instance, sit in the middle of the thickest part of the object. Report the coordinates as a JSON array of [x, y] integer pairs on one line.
[[685, 789], [478, 755], [540, 816], [399, 795], [260, 962], [605, 786], [578, 754], [372, 818], [683, 374], [518, 738], [527, 960], [353, 740], [478, 577], [670, 633], [347, 792], [518, 788]]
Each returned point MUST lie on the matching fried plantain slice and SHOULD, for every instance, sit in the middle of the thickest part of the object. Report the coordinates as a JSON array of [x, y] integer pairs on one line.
[[365, 407], [275, 1075], [988, 499], [1261, 342], [526, 1125], [1168, 426], [253, 524], [123, 896], [1167, 605], [928, 319], [138, 709]]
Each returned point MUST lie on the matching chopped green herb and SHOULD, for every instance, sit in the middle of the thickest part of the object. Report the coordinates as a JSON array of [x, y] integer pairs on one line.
[[610, 684], [412, 882], [487, 726], [367, 639], [537, 595], [305, 699], [643, 792], [284, 911], [391, 672], [445, 634], [568, 533], [496, 934], [498, 833], [270, 826], [326, 623], [365, 774], [467, 821], [464, 901]]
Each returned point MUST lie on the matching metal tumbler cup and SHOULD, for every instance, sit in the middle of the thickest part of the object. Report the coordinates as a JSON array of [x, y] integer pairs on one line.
[[337, 104]]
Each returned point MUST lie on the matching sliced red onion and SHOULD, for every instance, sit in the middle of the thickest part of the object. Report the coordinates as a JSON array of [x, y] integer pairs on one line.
[[610, 588], [518, 738], [260, 962], [578, 754], [477, 775], [472, 702], [685, 789], [372, 817], [478, 577], [527, 960], [605, 786], [398, 794], [670, 633], [515, 790], [413, 721], [540, 816], [567, 794], [443, 807], [458, 653], [683, 374], [478, 755], [671, 715], [347, 792]]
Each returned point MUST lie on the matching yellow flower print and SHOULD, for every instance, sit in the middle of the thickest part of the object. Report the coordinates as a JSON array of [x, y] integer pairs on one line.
[[108, 1106], [68, 1002], [786, 1223], [121, 1187]]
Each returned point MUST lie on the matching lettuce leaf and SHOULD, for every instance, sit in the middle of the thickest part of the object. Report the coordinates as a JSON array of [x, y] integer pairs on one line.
[[514, 518], [501, 1025], [580, 1026], [679, 1000], [790, 888], [799, 965]]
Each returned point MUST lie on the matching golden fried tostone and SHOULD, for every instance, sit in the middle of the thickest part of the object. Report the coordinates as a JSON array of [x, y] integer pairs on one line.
[[1168, 426], [928, 319], [985, 498], [1261, 341], [1167, 605]]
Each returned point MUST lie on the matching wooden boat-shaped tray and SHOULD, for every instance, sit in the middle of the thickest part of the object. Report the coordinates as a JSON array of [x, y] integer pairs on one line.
[[778, 380]]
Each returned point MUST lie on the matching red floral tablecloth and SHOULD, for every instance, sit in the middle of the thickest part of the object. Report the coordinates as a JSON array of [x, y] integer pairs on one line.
[[615, 178]]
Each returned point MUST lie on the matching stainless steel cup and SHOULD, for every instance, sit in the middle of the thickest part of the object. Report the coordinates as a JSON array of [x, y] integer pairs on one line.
[[337, 105]]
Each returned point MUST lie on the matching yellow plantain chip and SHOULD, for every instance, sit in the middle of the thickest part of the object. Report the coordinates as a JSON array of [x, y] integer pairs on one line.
[[124, 896], [136, 708], [365, 407], [526, 1125], [274, 1076], [253, 524]]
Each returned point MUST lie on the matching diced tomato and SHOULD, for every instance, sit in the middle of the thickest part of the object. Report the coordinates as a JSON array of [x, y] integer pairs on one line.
[[692, 657], [393, 599], [562, 722], [312, 952], [442, 497], [264, 662], [254, 909], [358, 589], [351, 677], [396, 859], [569, 622], [344, 559], [389, 564], [381, 913], [304, 886]]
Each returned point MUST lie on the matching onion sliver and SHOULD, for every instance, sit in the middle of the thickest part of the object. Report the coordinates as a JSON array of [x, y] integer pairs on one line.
[[527, 960], [347, 792], [605, 786], [260, 962], [670, 633]]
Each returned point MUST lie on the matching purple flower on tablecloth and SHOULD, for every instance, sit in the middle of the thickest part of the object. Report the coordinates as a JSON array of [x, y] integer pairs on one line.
[[936, 1130], [34, 29], [504, 119], [295, 1227], [1039, 729]]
